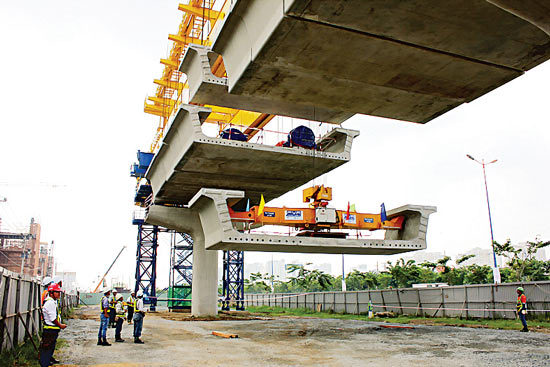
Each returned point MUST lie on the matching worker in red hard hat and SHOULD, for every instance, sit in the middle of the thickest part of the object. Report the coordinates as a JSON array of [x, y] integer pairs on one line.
[[52, 325]]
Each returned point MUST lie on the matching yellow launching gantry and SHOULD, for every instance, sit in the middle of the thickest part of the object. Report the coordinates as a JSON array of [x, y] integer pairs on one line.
[[318, 220], [199, 19]]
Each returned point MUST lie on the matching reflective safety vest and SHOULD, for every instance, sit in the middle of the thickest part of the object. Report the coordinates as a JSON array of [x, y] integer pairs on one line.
[[132, 302], [120, 308], [522, 303], [57, 316], [112, 302], [101, 302]]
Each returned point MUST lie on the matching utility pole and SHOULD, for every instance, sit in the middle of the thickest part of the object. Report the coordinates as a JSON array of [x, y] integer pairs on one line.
[[496, 271], [343, 275]]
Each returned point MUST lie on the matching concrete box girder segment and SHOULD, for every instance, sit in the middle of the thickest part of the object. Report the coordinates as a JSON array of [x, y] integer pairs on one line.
[[220, 234], [327, 60], [188, 160]]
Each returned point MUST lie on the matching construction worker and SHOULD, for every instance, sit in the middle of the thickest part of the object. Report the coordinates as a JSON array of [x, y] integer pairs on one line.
[[46, 283], [521, 307], [51, 324], [112, 308], [131, 304], [120, 316], [104, 317], [138, 317]]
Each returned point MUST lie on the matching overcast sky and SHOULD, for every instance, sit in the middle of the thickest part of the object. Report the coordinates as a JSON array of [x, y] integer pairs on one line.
[[74, 75]]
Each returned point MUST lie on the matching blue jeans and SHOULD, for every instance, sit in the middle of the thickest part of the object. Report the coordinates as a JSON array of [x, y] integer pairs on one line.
[[523, 321], [138, 324], [103, 326]]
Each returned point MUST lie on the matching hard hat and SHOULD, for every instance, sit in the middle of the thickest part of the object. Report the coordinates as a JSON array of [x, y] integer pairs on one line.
[[140, 293], [46, 281], [54, 288], [520, 289], [106, 290], [57, 279], [133, 292], [114, 290], [121, 297]]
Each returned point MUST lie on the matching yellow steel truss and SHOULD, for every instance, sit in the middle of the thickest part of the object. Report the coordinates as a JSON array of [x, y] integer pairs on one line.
[[199, 19]]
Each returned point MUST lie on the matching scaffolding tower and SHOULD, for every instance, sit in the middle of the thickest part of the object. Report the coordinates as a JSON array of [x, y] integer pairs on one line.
[[146, 262], [233, 280], [181, 271]]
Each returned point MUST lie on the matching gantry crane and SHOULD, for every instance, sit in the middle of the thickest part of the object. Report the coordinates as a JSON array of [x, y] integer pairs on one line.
[[318, 220]]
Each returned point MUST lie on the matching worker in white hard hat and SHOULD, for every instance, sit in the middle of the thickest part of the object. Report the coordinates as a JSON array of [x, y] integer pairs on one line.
[[112, 308], [139, 314], [120, 316], [46, 283], [131, 305], [104, 318]]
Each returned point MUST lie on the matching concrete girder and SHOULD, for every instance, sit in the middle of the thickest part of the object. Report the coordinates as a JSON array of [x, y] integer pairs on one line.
[[212, 206], [327, 60], [188, 160]]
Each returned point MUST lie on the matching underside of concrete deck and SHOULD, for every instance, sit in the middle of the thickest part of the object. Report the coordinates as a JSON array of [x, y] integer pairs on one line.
[[327, 60], [188, 161]]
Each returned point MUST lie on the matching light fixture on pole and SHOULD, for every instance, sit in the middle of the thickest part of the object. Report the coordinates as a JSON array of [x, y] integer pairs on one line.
[[496, 271]]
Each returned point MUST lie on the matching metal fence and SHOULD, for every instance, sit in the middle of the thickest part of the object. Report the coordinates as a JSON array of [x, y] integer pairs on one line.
[[20, 308], [470, 301]]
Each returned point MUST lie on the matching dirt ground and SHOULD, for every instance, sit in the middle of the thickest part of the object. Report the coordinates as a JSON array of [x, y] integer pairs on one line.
[[172, 340]]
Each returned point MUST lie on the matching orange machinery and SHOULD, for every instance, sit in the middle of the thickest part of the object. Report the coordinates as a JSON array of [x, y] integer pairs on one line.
[[316, 221]]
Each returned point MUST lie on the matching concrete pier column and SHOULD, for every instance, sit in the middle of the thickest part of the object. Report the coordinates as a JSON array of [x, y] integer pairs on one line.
[[205, 279], [205, 262]]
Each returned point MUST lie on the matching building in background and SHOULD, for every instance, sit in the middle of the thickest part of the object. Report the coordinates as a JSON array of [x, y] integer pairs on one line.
[[69, 281], [25, 253], [483, 256]]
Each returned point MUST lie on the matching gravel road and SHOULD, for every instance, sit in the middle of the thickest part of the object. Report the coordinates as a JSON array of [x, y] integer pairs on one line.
[[299, 341]]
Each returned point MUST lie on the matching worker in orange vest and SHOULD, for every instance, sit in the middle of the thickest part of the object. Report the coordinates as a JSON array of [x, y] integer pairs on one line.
[[46, 283], [521, 307]]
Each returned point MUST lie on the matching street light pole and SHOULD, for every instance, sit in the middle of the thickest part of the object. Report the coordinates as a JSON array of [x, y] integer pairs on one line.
[[496, 271]]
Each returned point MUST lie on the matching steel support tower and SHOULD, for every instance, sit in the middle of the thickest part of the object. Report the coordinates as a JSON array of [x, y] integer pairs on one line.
[[181, 271], [146, 262], [233, 280]]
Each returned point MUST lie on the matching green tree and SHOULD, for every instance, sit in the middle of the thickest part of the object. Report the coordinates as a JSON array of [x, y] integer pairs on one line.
[[257, 283], [309, 280], [404, 274], [357, 281], [522, 263]]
